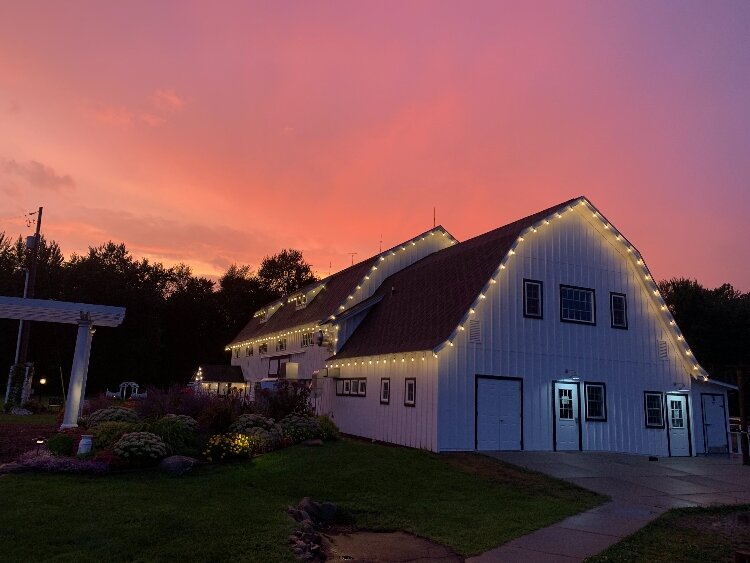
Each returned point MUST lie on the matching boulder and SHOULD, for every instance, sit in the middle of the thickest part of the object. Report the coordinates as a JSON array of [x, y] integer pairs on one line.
[[177, 464], [20, 411], [311, 507]]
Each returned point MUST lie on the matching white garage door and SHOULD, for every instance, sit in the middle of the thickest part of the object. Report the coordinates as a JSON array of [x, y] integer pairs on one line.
[[498, 414]]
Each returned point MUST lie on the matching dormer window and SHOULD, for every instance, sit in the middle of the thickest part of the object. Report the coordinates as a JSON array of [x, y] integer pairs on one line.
[[300, 301], [263, 316]]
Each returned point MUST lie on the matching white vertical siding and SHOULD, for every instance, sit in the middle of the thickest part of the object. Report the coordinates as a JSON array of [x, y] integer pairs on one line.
[[395, 423], [572, 250]]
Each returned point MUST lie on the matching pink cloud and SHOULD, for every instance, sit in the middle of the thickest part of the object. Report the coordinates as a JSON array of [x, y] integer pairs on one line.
[[167, 100], [38, 175]]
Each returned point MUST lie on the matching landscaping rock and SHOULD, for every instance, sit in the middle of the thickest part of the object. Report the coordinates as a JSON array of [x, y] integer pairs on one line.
[[12, 467], [311, 516], [20, 411], [177, 464], [311, 507]]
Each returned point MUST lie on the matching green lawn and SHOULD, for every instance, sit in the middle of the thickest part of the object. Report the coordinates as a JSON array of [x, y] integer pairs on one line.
[[236, 512], [46, 418], [686, 535]]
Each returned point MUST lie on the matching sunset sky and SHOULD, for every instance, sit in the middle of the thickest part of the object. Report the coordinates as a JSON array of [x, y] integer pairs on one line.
[[219, 132]]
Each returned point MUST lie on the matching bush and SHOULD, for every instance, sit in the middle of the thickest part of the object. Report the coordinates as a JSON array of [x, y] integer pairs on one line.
[[223, 447], [328, 429], [62, 443], [247, 422], [140, 447], [112, 414], [265, 440], [177, 431], [187, 421], [287, 397], [107, 433], [300, 428], [34, 406], [218, 414]]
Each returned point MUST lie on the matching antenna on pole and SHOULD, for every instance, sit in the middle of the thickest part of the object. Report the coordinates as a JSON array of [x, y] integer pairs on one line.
[[434, 224], [381, 242], [353, 254]]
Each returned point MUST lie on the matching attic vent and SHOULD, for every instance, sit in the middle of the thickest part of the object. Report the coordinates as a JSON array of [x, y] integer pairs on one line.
[[663, 354], [475, 331]]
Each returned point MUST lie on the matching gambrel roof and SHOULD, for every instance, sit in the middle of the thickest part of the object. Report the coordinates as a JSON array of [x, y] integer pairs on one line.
[[425, 305], [422, 304], [334, 292]]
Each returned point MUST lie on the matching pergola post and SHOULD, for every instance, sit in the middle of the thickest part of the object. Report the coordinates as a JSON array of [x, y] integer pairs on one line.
[[78, 373]]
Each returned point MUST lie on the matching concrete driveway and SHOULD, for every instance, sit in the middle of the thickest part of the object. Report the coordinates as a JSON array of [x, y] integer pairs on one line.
[[640, 491]]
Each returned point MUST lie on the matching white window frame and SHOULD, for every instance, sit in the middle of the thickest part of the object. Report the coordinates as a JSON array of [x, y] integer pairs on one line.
[[385, 390], [540, 286], [410, 382], [588, 385], [281, 345], [263, 348], [249, 350], [579, 290], [307, 339], [660, 395], [612, 298]]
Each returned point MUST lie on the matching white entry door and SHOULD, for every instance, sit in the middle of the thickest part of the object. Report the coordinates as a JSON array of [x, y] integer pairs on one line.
[[498, 414], [678, 422], [567, 423], [715, 424]]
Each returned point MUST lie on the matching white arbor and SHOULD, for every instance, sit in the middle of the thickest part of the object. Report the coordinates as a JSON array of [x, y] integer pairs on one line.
[[86, 317]]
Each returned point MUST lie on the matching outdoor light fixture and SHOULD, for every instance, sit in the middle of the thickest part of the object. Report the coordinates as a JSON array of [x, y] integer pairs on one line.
[[43, 381], [38, 442]]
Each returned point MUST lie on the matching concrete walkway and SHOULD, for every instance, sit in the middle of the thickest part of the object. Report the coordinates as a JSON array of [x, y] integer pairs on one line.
[[640, 490]]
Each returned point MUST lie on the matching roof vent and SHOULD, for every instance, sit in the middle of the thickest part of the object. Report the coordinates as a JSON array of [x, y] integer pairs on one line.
[[393, 290], [475, 331]]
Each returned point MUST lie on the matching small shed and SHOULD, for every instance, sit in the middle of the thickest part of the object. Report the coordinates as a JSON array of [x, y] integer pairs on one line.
[[220, 380]]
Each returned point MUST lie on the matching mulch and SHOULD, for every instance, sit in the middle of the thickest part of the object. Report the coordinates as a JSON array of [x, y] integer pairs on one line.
[[16, 439]]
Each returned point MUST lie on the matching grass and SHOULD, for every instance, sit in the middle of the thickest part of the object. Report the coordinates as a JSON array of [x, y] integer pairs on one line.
[[6, 418], [236, 512], [686, 535]]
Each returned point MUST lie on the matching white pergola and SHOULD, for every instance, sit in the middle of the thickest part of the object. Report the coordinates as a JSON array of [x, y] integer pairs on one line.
[[86, 316]]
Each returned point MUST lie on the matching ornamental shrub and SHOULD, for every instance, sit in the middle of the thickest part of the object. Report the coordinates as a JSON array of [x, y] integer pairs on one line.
[[112, 414], [224, 447], [328, 429], [188, 421], [247, 422], [62, 443], [300, 428], [177, 431], [140, 447], [107, 433], [263, 440]]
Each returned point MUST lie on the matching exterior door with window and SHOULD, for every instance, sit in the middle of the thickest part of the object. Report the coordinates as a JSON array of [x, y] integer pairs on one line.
[[567, 421], [678, 423]]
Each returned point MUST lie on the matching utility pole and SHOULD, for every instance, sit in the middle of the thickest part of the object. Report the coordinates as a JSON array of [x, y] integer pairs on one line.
[[743, 417], [22, 348]]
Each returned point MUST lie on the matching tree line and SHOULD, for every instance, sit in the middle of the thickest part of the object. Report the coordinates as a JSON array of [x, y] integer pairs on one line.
[[175, 320]]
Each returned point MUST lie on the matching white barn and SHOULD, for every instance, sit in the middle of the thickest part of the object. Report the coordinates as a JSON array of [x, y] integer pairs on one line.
[[292, 337], [546, 334]]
